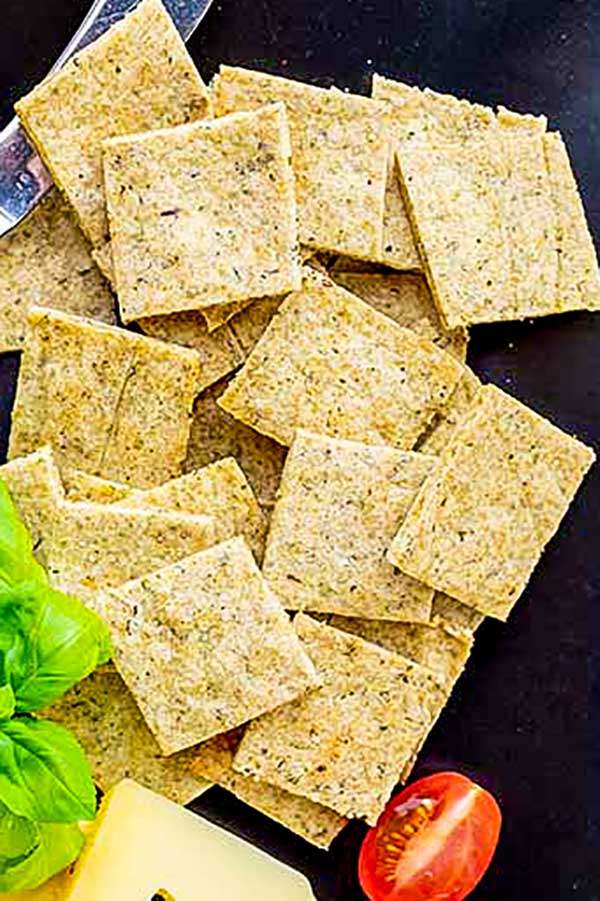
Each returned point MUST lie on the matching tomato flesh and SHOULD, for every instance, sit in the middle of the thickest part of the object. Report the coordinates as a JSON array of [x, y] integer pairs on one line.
[[433, 842]]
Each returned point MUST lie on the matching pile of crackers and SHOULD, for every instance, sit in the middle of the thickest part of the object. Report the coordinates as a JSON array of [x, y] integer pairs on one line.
[[245, 431]]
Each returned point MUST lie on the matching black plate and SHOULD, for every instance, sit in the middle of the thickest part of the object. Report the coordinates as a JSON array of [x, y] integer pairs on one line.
[[522, 719]]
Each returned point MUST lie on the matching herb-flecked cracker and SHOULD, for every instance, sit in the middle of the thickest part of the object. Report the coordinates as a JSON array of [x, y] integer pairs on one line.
[[528, 218], [344, 745], [508, 238], [220, 491], [97, 546], [45, 260], [480, 523], [110, 402], [107, 722], [339, 505], [203, 214], [136, 77], [317, 824], [444, 650], [406, 299], [340, 149], [331, 364], [213, 620], [35, 486], [215, 434]]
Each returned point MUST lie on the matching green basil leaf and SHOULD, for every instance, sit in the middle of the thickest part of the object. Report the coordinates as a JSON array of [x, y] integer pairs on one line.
[[17, 563], [44, 773], [59, 845], [67, 643], [19, 838], [7, 702]]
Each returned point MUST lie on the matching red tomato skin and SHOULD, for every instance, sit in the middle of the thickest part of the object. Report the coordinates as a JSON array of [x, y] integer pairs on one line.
[[454, 866]]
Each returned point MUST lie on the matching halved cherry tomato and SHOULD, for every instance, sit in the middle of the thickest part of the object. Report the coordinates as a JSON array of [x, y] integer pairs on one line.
[[434, 841]]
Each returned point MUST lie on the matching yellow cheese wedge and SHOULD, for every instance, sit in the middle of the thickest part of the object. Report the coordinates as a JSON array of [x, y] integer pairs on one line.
[[144, 845]]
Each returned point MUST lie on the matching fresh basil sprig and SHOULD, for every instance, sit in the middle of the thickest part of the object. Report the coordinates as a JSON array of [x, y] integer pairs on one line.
[[48, 642]]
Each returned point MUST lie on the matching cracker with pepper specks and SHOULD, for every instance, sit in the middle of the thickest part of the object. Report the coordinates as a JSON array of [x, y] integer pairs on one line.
[[481, 521], [340, 151], [339, 505], [213, 620], [343, 745], [203, 214], [110, 402], [331, 364]]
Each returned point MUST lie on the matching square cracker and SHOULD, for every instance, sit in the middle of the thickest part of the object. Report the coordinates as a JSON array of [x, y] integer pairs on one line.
[[331, 364], [37, 492], [136, 77], [81, 486], [215, 434], [317, 824], [110, 402], [220, 491], [203, 214], [406, 299], [107, 722], [340, 152], [344, 744], [46, 260], [97, 546], [480, 523], [213, 620], [339, 505]]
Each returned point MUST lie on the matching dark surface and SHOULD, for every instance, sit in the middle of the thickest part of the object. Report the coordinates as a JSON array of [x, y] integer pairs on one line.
[[524, 719]]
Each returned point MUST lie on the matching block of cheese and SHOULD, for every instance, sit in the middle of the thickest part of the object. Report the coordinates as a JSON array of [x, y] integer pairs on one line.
[[144, 845]]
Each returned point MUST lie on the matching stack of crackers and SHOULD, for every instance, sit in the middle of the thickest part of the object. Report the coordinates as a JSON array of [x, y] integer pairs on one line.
[[281, 485]]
